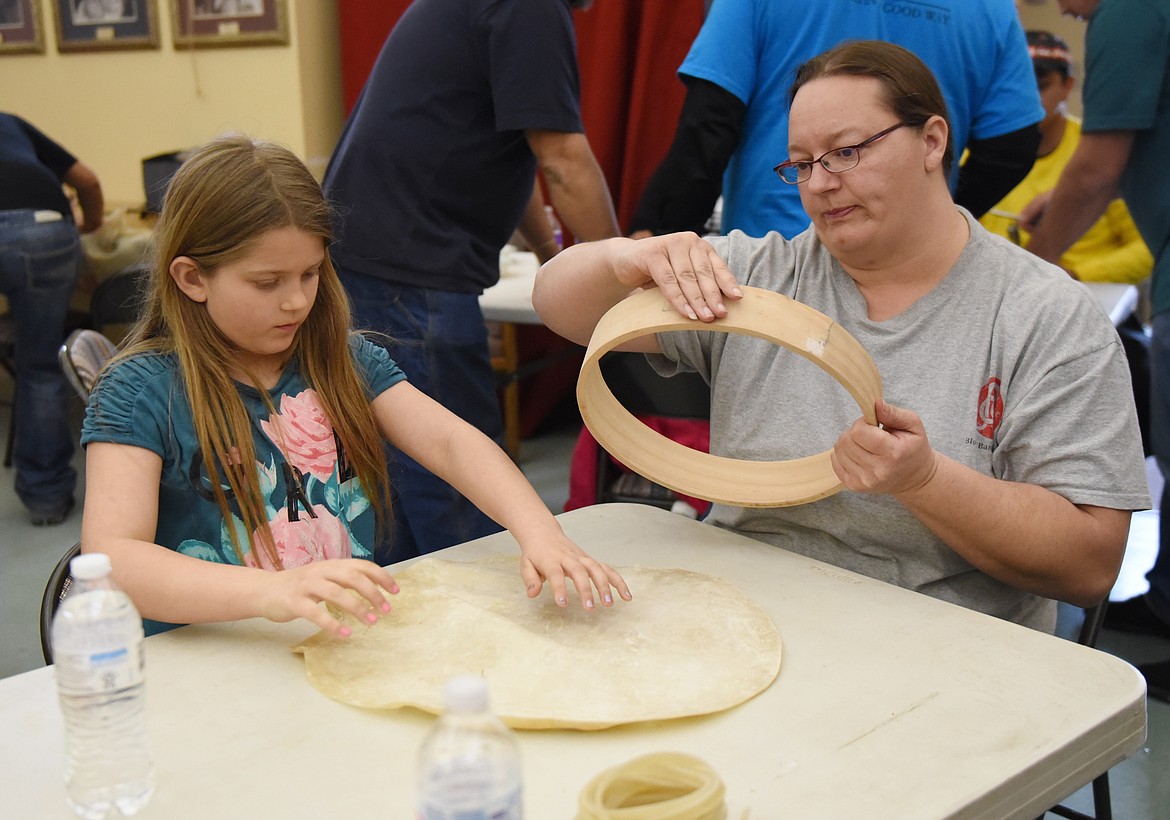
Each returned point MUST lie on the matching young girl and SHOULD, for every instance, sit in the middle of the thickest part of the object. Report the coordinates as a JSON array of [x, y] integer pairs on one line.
[[241, 430]]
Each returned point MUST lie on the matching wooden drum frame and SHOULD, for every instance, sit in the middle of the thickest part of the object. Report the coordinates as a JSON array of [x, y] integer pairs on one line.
[[761, 313]]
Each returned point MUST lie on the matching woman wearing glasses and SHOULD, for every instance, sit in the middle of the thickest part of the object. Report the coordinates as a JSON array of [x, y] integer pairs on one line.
[[1008, 458]]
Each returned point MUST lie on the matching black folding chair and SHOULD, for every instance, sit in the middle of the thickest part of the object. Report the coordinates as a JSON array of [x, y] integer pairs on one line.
[[82, 356], [642, 391], [59, 582], [1102, 805]]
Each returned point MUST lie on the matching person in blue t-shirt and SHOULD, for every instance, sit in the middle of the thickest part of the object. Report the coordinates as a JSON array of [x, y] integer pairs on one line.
[[242, 428], [734, 124], [433, 172]]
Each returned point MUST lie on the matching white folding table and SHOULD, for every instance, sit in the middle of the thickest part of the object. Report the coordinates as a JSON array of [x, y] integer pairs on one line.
[[888, 704]]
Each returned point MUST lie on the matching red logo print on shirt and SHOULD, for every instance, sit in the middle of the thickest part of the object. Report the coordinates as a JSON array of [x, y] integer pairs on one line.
[[990, 411]]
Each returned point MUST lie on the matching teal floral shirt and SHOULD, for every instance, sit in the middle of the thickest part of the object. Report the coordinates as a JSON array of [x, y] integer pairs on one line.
[[317, 507]]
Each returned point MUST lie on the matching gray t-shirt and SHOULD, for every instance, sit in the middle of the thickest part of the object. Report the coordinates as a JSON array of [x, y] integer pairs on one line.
[[1013, 367]]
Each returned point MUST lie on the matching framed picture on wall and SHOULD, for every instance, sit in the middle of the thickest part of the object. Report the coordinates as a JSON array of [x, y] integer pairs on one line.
[[92, 25], [229, 22], [20, 27]]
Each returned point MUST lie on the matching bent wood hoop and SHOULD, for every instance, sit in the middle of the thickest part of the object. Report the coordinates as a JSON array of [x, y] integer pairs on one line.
[[759, 313]]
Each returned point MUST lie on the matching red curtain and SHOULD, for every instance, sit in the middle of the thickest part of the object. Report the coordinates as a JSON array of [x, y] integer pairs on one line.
[[629, 52], [363, 26]]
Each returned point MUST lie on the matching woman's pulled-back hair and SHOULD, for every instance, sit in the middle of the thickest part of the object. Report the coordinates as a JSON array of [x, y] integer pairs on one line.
[[228, 194], [910, 89]]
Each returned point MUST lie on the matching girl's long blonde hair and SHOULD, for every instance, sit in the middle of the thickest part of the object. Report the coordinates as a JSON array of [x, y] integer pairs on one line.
[[222, 199]]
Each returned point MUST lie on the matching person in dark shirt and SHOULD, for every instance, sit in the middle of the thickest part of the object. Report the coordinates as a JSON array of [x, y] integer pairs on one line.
[[40, 258], [433, 172]]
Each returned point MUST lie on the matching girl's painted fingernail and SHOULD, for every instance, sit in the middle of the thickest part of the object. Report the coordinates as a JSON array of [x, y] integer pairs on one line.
[[561, 600], [589, 603], [608, 599], [345, 633], [371, 617], [385, 607]]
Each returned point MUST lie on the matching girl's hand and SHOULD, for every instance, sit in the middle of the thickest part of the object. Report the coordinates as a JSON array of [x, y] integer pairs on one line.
[[552, 557], [685, 268], [297, 593]]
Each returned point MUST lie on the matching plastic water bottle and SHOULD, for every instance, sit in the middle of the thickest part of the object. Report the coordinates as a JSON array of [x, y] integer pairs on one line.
[[469, 764], [97, 649]]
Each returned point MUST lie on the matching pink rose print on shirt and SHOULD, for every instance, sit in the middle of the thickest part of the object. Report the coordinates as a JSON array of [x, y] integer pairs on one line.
[[305, 433], [301, 542]]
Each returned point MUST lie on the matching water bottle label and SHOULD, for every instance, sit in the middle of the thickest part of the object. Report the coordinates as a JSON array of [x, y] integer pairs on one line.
[[107, 670], [453, 807]]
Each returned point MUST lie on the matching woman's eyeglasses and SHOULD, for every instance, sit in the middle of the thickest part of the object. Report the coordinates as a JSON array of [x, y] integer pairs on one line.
[[835, 161]]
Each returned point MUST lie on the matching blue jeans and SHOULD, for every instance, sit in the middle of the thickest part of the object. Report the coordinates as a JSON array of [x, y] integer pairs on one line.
[[439, 339], [1158, 597], [39, 264]]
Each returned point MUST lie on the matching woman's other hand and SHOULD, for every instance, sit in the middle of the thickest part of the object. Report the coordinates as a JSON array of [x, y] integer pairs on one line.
[[892, 458]]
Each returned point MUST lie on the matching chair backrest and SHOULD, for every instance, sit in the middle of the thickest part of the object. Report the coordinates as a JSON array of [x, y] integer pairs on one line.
[[58, 585], [82, 356], [643, 392]]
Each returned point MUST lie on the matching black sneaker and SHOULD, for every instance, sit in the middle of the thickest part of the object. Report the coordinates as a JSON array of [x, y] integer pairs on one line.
[[51, 516], [1135, 615], [1157, 680]]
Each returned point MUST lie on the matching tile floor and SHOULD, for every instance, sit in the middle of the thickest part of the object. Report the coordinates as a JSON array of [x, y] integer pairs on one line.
[[1140, 787]]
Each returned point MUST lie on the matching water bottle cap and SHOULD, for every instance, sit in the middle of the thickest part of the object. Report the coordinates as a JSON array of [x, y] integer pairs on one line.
[[465, 694], [89, 566]]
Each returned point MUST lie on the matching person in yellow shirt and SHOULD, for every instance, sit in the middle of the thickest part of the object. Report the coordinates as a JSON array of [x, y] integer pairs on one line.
[[1112, 250]]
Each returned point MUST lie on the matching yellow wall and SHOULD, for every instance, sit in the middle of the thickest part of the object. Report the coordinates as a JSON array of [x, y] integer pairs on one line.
[[112, 108], [319, 67]]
